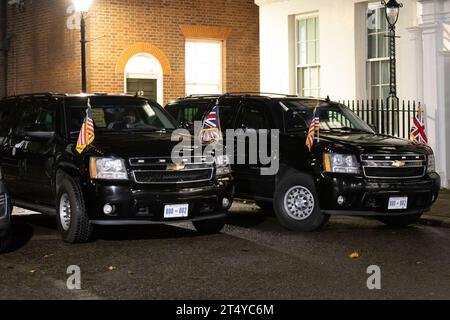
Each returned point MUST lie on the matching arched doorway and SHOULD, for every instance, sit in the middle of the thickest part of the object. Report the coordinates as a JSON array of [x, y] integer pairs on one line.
[[144, 74]]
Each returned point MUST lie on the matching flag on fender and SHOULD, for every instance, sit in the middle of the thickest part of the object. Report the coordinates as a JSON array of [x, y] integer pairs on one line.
[[418, 130], [87, 132], [313, 128], [211, 130]]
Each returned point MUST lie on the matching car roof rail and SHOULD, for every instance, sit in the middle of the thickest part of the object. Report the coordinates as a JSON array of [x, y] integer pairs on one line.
[[36, 94], [249, 93]]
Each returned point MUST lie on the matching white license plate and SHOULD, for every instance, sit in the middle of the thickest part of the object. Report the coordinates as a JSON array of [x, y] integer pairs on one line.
[[398, 203], [176, 211]]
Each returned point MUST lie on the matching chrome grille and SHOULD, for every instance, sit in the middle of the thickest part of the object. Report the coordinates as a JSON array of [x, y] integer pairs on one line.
[[3, 205], [386, 166], [164, 170]]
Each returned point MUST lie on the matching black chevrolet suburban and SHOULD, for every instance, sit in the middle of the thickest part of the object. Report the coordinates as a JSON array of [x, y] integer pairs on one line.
[[351, 170], [128, 176]]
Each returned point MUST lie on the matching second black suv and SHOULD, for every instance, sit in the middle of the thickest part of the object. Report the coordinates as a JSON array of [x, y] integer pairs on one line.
[[127, 176], [351, 170]]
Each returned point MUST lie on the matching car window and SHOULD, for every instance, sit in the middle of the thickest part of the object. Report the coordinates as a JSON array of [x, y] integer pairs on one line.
[[36, 116], [227, 108], [119, 116], [188, 112], [6, 113], [252, 117]]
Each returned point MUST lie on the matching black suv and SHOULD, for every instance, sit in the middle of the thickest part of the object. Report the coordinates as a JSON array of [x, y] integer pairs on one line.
[[351, 170], [128, 176]]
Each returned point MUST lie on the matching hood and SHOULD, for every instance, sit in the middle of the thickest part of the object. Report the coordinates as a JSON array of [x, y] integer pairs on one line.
[[130, 145], [364, 143]]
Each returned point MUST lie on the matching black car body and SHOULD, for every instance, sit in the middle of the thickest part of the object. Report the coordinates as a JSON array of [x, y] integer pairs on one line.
[[385, 168], [126, 176]]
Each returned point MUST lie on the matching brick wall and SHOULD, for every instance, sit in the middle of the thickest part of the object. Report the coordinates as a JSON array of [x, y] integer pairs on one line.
[[45, 54], [2, 38]]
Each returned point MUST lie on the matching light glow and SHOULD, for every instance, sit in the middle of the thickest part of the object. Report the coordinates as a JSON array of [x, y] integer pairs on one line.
[[82, 5]]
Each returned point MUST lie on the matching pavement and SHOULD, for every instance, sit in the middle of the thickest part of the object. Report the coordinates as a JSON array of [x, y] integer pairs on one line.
[[253, 258], [440, 212]]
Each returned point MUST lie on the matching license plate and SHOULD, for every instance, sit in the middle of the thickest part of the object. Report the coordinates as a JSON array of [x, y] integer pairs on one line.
[[398, 203], [176, 211]]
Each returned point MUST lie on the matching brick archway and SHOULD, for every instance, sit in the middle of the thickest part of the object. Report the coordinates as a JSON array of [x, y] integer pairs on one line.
[[143, 48]]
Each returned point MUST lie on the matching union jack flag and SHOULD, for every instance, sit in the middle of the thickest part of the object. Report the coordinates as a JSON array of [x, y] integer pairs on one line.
[[87, 134], [313, 128], [211, 130], [418, 134]]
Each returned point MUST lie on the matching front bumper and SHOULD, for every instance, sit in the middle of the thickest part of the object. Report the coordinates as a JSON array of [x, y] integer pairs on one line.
[[145, 205], [365, 197]]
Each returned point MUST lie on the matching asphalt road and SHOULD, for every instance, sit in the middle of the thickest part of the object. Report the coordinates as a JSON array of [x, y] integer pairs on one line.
[[254, 258]]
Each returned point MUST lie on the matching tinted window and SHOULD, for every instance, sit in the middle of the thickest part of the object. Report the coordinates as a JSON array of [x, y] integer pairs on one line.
[[188, 112], [36, 116], [227, 110], [6, 108], [253, 117], [299, 115], [119, 115]]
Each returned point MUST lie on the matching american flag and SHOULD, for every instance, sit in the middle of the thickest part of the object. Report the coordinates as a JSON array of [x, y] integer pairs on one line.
[[87, 134], [418, 134], [313, 128], [211, 131]]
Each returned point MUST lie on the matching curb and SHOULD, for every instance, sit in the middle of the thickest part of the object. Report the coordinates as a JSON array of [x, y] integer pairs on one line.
[[435, 221]]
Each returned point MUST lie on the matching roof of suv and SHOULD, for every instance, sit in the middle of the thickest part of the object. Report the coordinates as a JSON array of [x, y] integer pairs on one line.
[[272, 96], [70, 95]]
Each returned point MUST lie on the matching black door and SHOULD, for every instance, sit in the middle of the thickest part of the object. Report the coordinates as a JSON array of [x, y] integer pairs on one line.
[[144, 87], [33, 146], [252, 118], [9, 164]]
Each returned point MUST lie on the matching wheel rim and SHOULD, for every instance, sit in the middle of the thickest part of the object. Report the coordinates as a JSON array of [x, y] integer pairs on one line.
[[299, 203], [65, 212]]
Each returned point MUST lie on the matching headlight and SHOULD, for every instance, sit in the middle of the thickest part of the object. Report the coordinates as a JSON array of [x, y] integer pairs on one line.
[[431, 167], [341, 163], [108, 169], [222, 165]]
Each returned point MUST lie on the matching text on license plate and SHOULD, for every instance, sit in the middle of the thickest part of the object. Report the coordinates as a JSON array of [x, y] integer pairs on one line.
[[176, 211], [398, 203]]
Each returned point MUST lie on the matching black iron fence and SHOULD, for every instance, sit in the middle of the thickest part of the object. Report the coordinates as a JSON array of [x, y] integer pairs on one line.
[[390, 120]]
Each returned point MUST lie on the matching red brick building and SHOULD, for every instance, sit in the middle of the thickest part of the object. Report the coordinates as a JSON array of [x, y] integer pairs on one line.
[[162, 47]]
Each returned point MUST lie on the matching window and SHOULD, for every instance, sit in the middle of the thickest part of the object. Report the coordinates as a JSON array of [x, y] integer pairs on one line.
[[252, 117], [378, 53], [37, 116], [203, 67], [307, 56]]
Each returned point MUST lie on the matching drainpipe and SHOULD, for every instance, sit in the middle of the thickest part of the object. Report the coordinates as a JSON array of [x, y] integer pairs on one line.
[[4, 44]]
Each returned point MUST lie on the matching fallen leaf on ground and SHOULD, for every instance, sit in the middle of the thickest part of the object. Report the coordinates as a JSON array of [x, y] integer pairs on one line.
[[33, 271], [354, 255], [111, 268]]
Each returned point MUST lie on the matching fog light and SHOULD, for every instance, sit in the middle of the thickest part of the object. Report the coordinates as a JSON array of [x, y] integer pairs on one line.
[[109, 209], [341, 200], [226, 203]]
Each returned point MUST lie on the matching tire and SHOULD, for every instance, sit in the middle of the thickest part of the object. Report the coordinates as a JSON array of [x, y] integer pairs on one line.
[[77, 228], [401, 221], [304, 216], [209, 226]]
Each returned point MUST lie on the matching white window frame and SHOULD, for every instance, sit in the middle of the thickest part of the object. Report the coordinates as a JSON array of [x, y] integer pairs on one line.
[[300, 67], [370, 61], [221, 63]]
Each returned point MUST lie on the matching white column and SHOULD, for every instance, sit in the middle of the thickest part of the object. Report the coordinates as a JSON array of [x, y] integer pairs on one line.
[[434, 86]]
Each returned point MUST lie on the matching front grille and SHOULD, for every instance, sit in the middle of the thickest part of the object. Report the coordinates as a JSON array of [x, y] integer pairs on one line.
[[405, 166], [163, 170], [3, 204], [169, 177]]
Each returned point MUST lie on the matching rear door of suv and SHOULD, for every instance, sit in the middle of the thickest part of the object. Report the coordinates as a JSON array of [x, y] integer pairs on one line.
[[33, 147]]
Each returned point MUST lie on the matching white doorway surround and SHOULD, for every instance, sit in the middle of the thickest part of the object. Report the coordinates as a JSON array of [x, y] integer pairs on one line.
[[144, 66]]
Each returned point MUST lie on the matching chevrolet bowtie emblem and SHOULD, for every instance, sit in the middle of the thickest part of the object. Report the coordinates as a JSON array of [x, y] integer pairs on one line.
[[398, 164], [176, 167]]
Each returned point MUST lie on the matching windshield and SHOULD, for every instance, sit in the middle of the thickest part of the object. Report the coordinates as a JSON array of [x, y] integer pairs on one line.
[[121, 116], [333, 117]]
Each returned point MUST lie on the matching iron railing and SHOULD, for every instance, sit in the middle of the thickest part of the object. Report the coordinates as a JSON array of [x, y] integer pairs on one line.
[[394, 121]]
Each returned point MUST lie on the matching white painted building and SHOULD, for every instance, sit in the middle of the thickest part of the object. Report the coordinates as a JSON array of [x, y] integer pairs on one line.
[[338, 48]]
